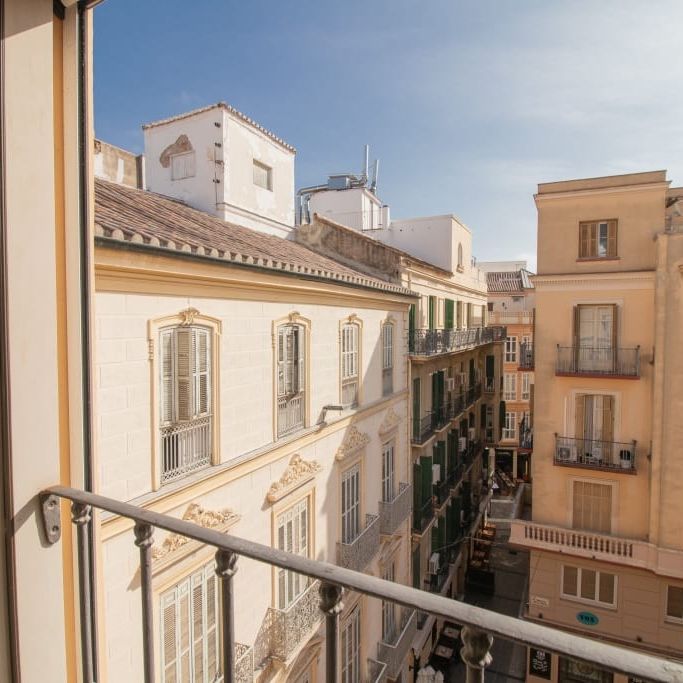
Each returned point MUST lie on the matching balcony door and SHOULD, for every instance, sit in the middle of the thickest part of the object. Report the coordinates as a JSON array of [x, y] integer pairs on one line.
[[595, 328], [351, 504], [594, 427]]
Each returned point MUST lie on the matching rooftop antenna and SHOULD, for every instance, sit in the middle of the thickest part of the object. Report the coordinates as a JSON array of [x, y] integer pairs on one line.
[[366, 163]]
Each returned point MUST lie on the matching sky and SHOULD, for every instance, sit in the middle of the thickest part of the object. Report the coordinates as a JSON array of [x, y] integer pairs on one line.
[[468, 105]]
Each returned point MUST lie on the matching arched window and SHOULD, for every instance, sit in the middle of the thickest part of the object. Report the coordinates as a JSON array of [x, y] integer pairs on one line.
[[291, 374], [460, 266]]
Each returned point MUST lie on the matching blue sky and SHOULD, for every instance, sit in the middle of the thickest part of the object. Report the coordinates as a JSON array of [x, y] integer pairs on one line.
[[468, 105]]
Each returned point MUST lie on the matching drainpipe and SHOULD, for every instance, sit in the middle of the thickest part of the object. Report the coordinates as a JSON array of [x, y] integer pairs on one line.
[[303, 197]]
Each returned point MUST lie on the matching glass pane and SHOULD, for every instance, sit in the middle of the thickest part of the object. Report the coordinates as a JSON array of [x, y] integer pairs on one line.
[[588, 584], [607, 588], [674, 602], [569, 580]]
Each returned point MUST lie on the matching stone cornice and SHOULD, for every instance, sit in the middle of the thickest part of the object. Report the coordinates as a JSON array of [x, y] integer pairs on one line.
[[637, 279], [353, 442], [298, 472], [617, 189]]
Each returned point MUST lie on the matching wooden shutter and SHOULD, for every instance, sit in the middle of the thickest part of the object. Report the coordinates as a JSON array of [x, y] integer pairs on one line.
[[579, 416], [167, 367], [426, 478], [584, 232], [432, 312], [608, 418], [202, 372], [416, 567], [448, 308], [411, 328], [611, 238], [593, 240], [184, 632], [185, 352]]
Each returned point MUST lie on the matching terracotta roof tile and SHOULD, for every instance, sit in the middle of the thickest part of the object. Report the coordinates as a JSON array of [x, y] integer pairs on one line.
[[508, 281], [145, 218]]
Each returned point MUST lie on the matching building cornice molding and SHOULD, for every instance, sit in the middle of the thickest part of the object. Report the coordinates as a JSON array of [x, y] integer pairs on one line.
[[354, 441], [298, 472], [641, 279], [619, 189]]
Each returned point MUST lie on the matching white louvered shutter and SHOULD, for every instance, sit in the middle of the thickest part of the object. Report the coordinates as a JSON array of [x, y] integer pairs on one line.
[[281, 341], [198, 627], [301, 358], [185, 352], [212, 645], [290, 379], [169, 645], [167, 368], [183, 629], [202, 372]]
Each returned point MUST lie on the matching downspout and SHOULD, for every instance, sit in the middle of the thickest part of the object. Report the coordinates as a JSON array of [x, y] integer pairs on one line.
[[303, 197]]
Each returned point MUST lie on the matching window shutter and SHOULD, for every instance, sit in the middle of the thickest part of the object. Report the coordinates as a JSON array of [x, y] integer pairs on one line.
[[416, 567], [167, 399], [612, 238], [579, 416], [583, 240], [301, 358], [426, 478], [202, 372], [212, 644], [169, 646], [198, 627], [593, 240], [607, 418], [183, 638], [184, 370], [417, 494]]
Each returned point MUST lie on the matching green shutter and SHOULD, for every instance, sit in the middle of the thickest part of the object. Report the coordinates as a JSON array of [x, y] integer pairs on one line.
[[416, 567], [452, 451], [432, 312], [449, 306], [456, 507], [501, 417], [416, 407], [417, 495], [411, 328], [426, 479]]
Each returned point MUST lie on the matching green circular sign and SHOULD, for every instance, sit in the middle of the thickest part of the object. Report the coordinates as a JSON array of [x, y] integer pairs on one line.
[[587, 618]]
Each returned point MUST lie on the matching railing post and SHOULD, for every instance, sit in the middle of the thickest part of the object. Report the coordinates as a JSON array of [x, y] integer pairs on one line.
[[81, 516], [332, 606], [475, 652], [226, 568], [144, 540]]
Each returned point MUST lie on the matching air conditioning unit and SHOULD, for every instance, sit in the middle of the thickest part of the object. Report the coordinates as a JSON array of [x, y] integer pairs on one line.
[[472, 433], [434, 563], [462, 443], [436, 474], [450, 383]]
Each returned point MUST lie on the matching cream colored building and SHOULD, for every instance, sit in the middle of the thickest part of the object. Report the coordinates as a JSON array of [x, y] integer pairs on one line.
[[606, 538], [511, 303]]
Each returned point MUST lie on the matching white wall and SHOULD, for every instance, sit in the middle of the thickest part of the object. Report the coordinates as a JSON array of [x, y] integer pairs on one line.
[[355, 208]]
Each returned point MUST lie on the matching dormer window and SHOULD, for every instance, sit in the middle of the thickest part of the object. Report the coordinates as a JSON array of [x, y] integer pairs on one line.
[[182, 165], [263, 175]]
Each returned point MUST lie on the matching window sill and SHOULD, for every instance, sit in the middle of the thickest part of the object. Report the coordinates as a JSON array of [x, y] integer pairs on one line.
[[590, 603], [592, 259]]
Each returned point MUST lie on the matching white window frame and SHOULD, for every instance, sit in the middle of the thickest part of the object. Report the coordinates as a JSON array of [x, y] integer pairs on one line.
[[290, 379], [389, 609], [511, 349], [350, 503], [526, 386], [672, 617], [388, 472], [183, 165], [350, 360], [262, 175], [510, 425], [351, 648], [589, 601], [293, 534], [203, 582], [510, 386], [387, 358]]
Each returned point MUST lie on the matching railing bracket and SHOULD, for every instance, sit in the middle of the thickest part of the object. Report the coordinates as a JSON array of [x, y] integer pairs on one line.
[[52, 517]]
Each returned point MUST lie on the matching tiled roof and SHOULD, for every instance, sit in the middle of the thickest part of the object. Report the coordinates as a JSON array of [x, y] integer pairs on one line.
[[231, 110], [508, 281], [148, 219]]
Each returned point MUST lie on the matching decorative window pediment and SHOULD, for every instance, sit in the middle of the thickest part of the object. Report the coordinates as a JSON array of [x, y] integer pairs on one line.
[[390, 422], [353, 442], [298, 472]]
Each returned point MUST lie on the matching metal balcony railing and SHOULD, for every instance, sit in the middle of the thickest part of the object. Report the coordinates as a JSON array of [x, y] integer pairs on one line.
[[599, 361], [350, 392], [185, 447], [290, 413], [423, 428], [489, 385], [479, 624], [244, 663], [387, 381], [526, 356], [595, 454], [442, 492], [423, 515], [433, 342], [288, 627], [393, 651], [376, 671], [393, 512], [357, 554], [526, 435]]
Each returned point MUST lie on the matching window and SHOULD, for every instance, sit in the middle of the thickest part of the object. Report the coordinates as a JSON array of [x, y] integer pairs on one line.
[[510, 386], [263, 175], [351, 504], [595, 329], [189, 633], [185, 400], [460, 258], [349, 364], [350, 648], [389, 621], [589, 585], [592, 506], [293, 537], [674, 603], [489, 306], [387, 359], [594, 428], [572, 671], [510, 426], [526, 386], [598, 239], [182, 165], [388, 487], [291, 373], [511, 350], [458, 314]]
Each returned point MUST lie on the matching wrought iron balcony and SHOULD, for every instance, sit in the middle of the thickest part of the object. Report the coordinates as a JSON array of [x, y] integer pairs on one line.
[[594, 454], [442, 492], [433, 342], [244, 663], [376, 671], [438, 581], [185, 447], [423, 515], [598, 361], [489, 385], [480, 625], [393, 512], [393, 651], [423, 428], [287, 628], [290, 413], [357, 554], [526, 356], [526, 435]]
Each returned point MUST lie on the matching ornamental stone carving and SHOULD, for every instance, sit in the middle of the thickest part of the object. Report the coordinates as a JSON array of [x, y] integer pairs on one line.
[[209, 519], [188, 316], [353, 442], [298, 472], [390, 422]]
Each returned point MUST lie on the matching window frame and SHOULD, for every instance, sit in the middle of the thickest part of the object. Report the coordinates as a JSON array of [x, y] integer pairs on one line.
[[389, 473], [388, 356], [355, 469], [590, 239], [351, 623], [256, 164], [510, 386], [525, 394], [509, 434], [590, 601], [305, 502], [673, 619], [511, 349], [188, 156], [346, 357]]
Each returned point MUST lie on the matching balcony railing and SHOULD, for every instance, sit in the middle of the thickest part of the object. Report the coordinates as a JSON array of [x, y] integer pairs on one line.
[[595, 454], [489, 385], [423, 428], [598, 361], [423, 515], [392, 513], [393, 651], [439, 417], [289, 627], [185, 447], [357, 554], [387, 381], [479, 624], [376, 671], [526, 356], [290, 414], [244, 663], [442, 492], [433, 342], [526, 435], [350, 392]]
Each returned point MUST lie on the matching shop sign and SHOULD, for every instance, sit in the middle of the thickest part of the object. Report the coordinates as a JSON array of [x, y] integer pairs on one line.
[[587, 618], [539, 663]]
